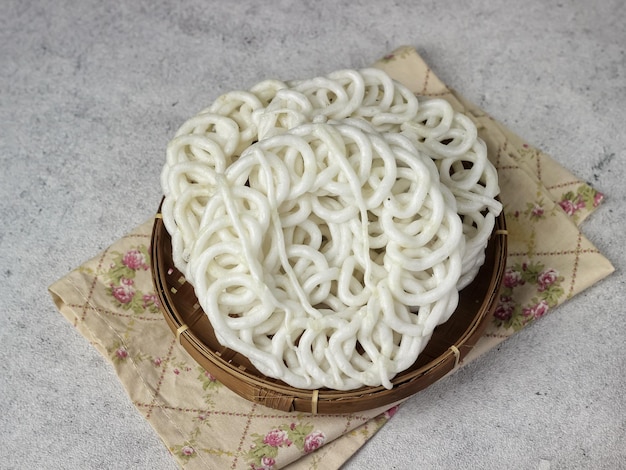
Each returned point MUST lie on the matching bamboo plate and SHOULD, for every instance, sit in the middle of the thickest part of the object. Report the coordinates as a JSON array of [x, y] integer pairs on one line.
[[450, 341]]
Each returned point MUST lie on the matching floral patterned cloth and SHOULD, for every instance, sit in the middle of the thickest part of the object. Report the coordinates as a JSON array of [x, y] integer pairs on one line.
[[111, 301]]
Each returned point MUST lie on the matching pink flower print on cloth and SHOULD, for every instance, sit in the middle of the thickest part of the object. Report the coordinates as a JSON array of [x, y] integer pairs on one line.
[[512, 278], [124, 270], [135, 259], [504, 310], [314, 441], [265, 449], [121, 353], [536, 311], [124, 292], [540, 287], [584, 197], [571, 206], [187, 451], [547, 278], [391, 412], [277, 438]]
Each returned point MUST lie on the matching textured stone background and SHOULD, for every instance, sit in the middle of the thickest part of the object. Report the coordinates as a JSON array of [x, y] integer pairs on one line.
[[90, 93]]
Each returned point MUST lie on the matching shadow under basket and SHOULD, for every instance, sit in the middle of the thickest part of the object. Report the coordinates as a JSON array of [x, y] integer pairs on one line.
[[449, 344]]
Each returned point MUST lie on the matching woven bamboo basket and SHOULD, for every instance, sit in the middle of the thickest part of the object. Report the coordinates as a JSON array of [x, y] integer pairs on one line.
[[449, 344]]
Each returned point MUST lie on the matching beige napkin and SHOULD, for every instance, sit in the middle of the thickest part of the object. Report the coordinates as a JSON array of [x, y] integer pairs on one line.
[[111, 301]]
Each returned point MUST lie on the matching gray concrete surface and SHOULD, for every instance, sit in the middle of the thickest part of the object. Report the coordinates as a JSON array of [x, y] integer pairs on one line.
[[90, 92]]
